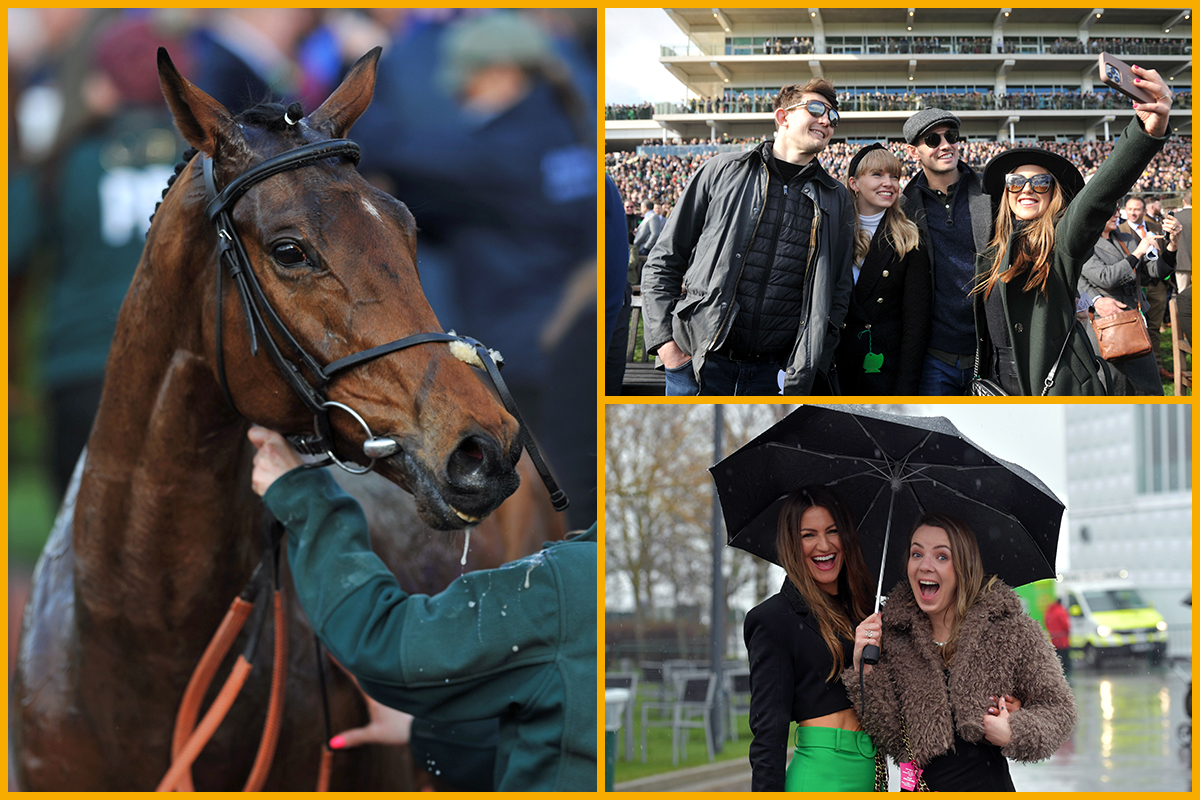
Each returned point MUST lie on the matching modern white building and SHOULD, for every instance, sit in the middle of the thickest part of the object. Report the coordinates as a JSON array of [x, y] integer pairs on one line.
[[1023, 74], [1129, 492]]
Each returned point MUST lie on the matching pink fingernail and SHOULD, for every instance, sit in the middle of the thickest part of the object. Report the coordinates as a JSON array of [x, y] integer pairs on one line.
[[337, 743]]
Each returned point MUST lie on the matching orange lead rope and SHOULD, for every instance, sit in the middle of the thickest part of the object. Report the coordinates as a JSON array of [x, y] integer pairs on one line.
[[188, 740]]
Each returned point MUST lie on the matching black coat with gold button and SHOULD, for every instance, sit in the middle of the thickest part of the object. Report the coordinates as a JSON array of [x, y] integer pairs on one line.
[[889, 317]]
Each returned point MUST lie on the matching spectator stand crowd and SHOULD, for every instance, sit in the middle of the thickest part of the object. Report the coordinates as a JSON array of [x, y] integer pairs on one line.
[[661, 177]]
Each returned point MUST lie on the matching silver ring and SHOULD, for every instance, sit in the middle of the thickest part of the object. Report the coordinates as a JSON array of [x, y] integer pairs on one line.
[[353, 469]]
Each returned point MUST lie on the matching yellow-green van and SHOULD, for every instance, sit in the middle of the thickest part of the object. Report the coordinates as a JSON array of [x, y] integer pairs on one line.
[[1109, 618]]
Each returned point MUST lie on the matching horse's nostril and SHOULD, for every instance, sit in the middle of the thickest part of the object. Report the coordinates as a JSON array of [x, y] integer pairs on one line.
[[470, 463], [471, 449]]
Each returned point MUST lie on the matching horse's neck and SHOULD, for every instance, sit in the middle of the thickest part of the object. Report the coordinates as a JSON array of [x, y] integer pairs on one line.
[[165, 517]]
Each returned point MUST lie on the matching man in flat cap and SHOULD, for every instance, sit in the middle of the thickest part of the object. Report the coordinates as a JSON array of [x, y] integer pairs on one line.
[[947, 201]]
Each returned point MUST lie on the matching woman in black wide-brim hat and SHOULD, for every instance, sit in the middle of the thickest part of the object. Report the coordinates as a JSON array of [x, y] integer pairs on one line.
[[1047, 223]]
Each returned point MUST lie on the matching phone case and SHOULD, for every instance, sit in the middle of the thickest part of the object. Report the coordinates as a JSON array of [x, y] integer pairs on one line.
[[1116, 73]]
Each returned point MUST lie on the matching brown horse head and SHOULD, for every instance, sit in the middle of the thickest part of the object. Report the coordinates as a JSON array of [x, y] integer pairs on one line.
[[336, 259]]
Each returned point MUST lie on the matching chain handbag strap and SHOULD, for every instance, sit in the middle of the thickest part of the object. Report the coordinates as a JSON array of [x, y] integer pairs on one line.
[[921, 787], [881, 771]]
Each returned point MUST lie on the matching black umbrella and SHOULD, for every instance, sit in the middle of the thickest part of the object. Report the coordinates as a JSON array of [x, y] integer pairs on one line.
[[889, 469]]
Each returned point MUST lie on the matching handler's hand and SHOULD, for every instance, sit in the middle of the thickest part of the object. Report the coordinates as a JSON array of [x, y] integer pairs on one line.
[[672, 356], [869, 631], [996, 728], [1153, 115], [387, 726], [274, 457]]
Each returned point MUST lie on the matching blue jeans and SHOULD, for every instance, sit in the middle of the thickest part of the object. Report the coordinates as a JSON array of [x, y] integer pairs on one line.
[[939, 378], [723, 376]]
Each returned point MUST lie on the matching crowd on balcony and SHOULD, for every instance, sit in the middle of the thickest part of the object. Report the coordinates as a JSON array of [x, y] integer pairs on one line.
[[963, 45]]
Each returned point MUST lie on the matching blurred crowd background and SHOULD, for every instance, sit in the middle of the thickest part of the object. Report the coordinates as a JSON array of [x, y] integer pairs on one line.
[[483, 123]]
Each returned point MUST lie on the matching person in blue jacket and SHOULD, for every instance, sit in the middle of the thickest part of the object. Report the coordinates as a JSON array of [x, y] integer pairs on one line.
[[517, 643]]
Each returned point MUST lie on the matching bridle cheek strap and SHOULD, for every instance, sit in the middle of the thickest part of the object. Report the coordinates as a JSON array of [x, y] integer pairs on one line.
[[261, 317]]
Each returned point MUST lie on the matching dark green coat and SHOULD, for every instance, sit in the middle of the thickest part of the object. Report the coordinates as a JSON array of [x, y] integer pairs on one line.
[[1039, 324], [517, 642]]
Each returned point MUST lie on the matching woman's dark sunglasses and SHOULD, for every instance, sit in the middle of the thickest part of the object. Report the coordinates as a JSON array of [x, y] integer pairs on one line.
[[817, 108], [1040, 183], [935, 139]]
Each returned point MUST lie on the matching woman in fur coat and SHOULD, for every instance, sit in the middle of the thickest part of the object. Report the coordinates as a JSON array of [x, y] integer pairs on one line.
[[952, 637]]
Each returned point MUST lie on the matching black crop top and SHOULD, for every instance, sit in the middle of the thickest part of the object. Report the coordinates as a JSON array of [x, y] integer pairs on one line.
[[789, 667]]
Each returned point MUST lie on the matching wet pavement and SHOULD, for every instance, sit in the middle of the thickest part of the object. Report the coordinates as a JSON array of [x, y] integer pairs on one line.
[[1126, 740]]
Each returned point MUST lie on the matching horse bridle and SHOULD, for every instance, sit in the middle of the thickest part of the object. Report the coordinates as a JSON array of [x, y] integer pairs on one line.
[[261, 318]]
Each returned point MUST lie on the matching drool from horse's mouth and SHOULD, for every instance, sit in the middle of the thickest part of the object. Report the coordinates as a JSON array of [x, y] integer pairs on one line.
[[441, 507]]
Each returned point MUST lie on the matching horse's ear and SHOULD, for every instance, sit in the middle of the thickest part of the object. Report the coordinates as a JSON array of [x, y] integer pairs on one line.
[[350, 100], [204, 123]]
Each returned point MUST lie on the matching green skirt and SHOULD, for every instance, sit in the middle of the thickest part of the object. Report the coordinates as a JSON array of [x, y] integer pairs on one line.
[[831, 760]]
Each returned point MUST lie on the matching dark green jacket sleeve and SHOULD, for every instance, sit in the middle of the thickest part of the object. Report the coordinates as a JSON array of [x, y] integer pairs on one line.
[[481, 648]]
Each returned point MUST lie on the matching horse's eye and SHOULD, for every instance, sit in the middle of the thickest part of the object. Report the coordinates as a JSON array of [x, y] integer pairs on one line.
[[289, 255]]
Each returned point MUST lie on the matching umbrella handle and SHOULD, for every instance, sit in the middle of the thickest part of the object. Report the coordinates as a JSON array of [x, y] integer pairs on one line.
[[870, 654]]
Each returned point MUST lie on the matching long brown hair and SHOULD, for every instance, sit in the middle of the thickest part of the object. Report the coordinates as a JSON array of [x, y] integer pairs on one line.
[[968, 570], [854, 582], [1032, 248], [900, 232]]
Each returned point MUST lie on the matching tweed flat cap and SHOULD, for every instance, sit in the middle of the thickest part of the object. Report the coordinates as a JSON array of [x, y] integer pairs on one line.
[[919, 123]]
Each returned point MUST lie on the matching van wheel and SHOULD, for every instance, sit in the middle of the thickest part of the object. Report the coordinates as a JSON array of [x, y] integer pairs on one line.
[[1091, 657], [1155, 656]]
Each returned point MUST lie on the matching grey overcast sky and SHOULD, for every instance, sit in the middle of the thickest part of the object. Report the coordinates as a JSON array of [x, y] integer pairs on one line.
[[632, 74]]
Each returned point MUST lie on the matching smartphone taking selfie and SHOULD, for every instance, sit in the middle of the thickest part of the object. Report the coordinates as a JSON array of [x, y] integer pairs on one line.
[[1116, 73]]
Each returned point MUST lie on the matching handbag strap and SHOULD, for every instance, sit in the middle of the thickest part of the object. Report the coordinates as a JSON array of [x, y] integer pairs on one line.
[[921, 787], [1050, 375]]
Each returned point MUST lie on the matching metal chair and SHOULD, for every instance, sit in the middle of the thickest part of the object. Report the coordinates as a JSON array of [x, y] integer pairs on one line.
[[625, 680], [692, 708], [652, 675], [737, 688]]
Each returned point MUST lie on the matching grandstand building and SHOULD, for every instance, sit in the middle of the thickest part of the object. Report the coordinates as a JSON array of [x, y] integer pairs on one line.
[[1020, 75]]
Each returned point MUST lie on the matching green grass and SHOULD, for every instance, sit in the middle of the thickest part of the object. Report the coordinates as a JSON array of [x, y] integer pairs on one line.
[[1169, 361], [30, 514], [658, 747]]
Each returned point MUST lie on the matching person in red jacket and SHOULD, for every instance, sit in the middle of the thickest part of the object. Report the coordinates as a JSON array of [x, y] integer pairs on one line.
[[1058, 625]]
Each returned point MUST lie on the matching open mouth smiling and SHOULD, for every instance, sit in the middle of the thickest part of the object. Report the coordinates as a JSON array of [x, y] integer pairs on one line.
[[929, 589]]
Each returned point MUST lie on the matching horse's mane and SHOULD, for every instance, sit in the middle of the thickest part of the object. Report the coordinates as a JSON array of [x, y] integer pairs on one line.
[[267, 114]]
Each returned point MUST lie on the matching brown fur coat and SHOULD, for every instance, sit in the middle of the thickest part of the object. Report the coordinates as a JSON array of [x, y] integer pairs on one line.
[[1000, 651]]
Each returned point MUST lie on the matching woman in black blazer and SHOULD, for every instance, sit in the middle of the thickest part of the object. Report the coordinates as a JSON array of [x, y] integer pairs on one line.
[[884, 335], [799, 640]]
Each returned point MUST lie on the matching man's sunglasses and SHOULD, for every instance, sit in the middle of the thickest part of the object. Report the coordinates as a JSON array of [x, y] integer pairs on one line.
[[817, 109], [1040, 183], [935, 139]]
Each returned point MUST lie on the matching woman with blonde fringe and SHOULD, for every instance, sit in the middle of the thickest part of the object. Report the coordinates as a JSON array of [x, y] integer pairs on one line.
[[883, 337]]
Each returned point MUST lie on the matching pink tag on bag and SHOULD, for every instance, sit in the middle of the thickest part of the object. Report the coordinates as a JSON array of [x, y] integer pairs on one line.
[[909, 774]]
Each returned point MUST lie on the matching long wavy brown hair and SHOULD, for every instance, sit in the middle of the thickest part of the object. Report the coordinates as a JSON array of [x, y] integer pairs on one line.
[[834, 620], [968, 570], [1033, 247]]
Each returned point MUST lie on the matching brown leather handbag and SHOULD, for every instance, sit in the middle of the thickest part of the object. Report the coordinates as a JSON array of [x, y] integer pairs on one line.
[[1122, 336]]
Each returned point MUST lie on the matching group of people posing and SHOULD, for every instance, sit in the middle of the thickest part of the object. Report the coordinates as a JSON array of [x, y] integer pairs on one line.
[[770, 275], [963, 681]]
